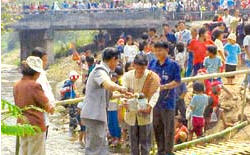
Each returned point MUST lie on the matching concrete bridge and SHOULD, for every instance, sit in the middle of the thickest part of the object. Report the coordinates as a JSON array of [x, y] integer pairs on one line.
[[38, 29]]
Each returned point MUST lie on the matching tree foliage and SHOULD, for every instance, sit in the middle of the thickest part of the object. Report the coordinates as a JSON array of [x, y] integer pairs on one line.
[[9, 110], [7, 17]]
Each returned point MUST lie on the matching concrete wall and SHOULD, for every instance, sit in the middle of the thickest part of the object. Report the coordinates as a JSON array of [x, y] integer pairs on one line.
[[29, 39]]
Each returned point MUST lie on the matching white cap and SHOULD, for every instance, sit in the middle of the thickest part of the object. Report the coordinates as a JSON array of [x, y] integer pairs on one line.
[[35, 63], [73, 75], [232, 36]]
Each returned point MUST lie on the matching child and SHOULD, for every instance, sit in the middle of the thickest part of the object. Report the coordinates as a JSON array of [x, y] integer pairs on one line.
[[181, 92], [180, 57], [68, 92], [232, 50], [218, 36], [113, 123], [212, 62], [82, 126], [144, 48], [181, 131], [198, 104]]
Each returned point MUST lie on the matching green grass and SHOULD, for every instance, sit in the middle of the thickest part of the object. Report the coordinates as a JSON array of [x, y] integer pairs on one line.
[[11, 58]]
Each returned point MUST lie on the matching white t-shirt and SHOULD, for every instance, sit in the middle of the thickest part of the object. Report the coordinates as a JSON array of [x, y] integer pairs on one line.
[[227, 20], [181, 59], [80, 105], [218, 43], [130, 51], [43, 81], [246, 42]]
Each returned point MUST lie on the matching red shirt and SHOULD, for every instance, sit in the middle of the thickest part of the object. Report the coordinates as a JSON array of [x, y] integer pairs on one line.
[[199, 50], [183, 128]]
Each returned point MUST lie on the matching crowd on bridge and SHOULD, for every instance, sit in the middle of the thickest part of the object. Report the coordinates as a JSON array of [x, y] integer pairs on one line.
[[136, 87], [168, 5]]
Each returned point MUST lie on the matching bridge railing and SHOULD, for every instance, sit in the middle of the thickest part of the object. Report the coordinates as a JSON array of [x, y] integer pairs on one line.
[[155, 13]]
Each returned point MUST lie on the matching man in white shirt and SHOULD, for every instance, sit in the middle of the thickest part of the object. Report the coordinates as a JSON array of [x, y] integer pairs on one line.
[[246, 44], [43, 81], [141, 80], [227, 18]]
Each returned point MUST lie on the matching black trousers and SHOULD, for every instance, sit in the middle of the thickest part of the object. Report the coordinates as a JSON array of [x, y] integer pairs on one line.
[[164, 129]]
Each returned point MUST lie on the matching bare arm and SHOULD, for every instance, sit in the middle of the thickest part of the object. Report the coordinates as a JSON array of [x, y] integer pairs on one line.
[[170, 85], [111, 86], [247, 51]]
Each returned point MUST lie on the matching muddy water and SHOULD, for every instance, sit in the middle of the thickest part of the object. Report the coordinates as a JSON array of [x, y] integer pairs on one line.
[[58, 142]]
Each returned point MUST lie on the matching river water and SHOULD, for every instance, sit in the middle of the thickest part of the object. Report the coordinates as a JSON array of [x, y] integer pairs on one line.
[[58, 142]]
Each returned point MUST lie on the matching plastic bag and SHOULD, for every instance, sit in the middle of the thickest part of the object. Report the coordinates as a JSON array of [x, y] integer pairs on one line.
[[213, 117]]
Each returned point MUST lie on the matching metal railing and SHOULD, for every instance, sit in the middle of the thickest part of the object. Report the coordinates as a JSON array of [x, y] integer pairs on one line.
[[183, 15]]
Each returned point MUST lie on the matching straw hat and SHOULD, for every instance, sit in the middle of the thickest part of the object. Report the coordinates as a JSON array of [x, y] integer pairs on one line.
[[35, 63], [232, 36]]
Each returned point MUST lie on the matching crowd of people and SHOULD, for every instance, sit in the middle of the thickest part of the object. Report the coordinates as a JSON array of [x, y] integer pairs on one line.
[[136, 88], [167, 5]]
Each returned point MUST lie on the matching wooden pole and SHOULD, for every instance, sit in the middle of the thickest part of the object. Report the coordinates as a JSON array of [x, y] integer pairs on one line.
[[210, 137], [69, 101], [208, 76], [17, 145], [244, 101]]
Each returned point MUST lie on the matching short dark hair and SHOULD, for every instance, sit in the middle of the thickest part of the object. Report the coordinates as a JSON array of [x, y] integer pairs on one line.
[[114, 74], [216, 34], [119, 70], [161, 44], [180, 47], [153, 30], [181, 21], [247, 29], [144, 36], [141, 59], [165, 25], [142, 45], [26, 70], [198, 87], [127, 65], [202, 31], [212, 49], [109, 53], [128, 37], [39, 52], [90, 59]]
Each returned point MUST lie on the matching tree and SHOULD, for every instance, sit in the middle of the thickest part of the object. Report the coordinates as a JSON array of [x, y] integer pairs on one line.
[[7, 17]]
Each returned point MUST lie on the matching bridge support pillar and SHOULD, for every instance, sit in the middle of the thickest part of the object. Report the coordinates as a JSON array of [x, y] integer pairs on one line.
[[29, 39]]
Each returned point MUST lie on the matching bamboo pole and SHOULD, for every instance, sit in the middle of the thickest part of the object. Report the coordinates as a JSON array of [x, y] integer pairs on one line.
[[210, 137], [244, 101], [17, 145], [208, 76], [69, 101]]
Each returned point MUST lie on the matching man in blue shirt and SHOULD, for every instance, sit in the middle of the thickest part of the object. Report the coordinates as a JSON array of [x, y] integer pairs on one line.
[[164, 111], [170, 37]]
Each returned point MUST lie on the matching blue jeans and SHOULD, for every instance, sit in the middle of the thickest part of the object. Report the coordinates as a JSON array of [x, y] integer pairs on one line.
[[196, 68], [189, 65], [113, 124]]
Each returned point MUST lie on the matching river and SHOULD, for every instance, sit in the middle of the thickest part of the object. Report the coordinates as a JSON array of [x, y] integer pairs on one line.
[[58, 142]]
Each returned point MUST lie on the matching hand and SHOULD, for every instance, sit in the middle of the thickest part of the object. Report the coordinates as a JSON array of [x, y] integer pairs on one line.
[[128, 95], [214, 109], [163, 87], [147, 110], [123, 90], [51, 110]]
